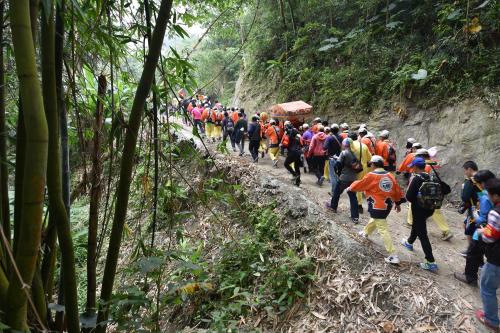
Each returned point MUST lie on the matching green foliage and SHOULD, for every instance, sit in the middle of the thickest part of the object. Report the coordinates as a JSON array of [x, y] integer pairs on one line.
[[355, 53]]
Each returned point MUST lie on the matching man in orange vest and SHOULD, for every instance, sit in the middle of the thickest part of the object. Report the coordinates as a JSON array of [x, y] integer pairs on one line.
[[272, 135], [382, 194], [386, 149]]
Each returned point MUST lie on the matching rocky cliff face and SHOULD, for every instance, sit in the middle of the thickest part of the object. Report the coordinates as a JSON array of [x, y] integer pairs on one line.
[[468, 130]]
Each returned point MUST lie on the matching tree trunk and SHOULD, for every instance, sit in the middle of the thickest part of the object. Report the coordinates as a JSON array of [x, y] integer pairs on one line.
[[54, 186], [35, 168], [292, 16], [4, 172], [147, 10], [128, 159], [95, 196]]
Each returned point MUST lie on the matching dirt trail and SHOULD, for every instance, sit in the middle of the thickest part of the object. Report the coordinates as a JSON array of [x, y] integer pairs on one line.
[[446, 252]]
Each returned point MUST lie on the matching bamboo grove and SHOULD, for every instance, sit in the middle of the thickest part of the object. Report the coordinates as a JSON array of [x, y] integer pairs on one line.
[[72, 117]]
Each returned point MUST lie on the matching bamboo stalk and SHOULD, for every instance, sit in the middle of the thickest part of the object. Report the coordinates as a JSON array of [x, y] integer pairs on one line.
[[36, 162], [128, 160]]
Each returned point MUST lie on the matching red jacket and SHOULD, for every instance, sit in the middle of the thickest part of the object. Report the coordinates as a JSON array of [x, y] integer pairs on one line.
[[381, 190], [316, 146]]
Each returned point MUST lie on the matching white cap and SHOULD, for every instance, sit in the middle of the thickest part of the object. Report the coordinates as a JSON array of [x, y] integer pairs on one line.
[[344, 125], [369, 135], [317, 119], [335, 126], [288, 122], [422, 151], [384, 134], [362, 130], [411, 140], [327, 129], [376, 158], [416, 145], [321, 128], [272, 121], [305, 126]]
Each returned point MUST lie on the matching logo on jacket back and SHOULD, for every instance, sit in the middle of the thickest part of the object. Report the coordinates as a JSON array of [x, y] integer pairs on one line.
[[385, 184]]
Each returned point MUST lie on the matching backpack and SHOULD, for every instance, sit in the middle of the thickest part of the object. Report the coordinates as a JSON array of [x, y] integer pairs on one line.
[[430, 195], [356, 165], [256, 133], [391, 158], [229, 125]]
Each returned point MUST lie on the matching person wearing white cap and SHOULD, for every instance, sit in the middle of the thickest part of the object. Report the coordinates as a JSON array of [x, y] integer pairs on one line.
[[344, 130], [383, 194], [363, 136], [386, 149], [409, 145]]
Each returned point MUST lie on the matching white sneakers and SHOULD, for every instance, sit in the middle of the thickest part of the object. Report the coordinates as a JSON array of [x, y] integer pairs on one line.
[[392, 259], [362, 234]]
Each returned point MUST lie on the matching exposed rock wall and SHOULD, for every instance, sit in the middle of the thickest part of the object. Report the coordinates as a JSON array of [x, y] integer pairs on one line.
[[468, 130]]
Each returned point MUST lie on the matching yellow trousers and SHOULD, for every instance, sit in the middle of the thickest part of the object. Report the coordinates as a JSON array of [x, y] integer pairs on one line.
[[217, 133], [263, 146], [359, 195], [209, 130], [383, 230], [326, 172], [438, 218], [274, 153]]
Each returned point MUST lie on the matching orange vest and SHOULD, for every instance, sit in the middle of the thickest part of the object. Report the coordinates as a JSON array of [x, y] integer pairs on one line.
[[272, 134], [379, 185], [403, 167], [369, 143], [382, 149]]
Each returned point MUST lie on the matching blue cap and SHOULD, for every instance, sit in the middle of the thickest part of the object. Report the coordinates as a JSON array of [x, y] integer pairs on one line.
[[417, 162]]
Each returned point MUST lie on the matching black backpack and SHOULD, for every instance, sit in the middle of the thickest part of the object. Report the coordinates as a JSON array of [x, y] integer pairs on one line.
[[430, 195], [230, 125]]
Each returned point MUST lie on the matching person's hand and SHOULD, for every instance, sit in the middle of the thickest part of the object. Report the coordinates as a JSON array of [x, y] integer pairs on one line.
[[397, 209], [479, 230], [349, 189]]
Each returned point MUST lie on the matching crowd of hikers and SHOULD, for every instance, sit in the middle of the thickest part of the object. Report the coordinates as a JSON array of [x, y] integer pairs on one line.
[[365, 166]]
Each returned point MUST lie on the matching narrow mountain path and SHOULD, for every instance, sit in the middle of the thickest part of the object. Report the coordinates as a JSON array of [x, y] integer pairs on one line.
[[462, 297]]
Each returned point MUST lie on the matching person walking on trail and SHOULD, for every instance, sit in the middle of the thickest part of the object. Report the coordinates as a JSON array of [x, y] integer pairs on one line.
[[490, 274], [273, 135], [420, 213], [318, 154], [263, 127], [475, 251], [291, 142], [363, 132], [386, 149], [438, 216], [254, 136], [228, 130], [349, 166], [219, 116], [344, 131], [410, 155], [363, 155], [208, 117], [240, 130], [326, 170], [470, 199], [333, 148], [306, 141], [409, 146], [197, 119], [383, 193], [315, 126]]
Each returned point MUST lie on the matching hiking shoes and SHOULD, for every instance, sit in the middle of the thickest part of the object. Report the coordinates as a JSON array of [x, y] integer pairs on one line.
[[392, 259], [482, 319], [363, 234], [321, 180], [408, 246], [355, 220], [464, 253], [275, 163], [447, 235], [429, 266], [463, 278]]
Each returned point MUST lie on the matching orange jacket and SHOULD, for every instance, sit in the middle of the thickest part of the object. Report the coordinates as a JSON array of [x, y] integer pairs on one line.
[[235, 117], [403, 167], [379, 185], [314, 129], [209, 115], [369, 143], [344, 135], [382, 149], [272, 133]]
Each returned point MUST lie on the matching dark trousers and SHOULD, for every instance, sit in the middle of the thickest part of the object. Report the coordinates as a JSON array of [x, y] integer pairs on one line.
[[229, 135], [199, 125], [474, 260], [419, 229], [293, 157], [253, 146], [319, 166], [310, 164], [353, 201]]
